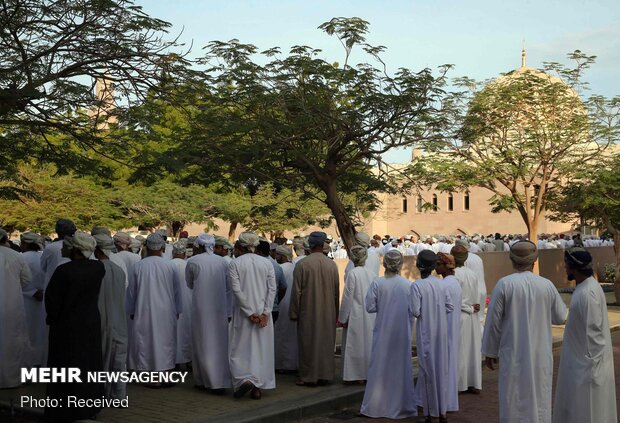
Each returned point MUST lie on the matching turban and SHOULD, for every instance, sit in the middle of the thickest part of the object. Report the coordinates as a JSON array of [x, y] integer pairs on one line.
[[65, 227], [460, 254], [163, 233], [223, 242], [392, 261], [447, 259], [179, 247], [273, 246], [578, 258], [426, 261], [135, 245], [316, 239], [205, 240], [306, 243], [249, 240], [100, 230], [523, 254], [30, 238], [140, 238], [122, 238], [155, 242], [4, 234], [285, 251], [462, 243], [184, 234], [362, 239], [105, 243], [327, 248], [84, 242], [359, 254]]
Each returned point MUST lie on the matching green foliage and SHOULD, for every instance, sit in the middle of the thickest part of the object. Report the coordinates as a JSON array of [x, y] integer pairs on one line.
[[51, 54], [520, 136]]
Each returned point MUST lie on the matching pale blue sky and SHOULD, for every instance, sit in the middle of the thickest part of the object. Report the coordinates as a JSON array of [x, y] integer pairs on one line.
[[482, 38]]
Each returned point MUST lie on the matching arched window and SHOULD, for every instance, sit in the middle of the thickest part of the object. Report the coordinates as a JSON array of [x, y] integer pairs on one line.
[[466, 201], [435, 202], [404, 204], [450, 202], [419, 204]]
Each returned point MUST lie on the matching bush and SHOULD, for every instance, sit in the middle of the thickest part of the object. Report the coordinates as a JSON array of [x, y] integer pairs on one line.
[[609, 272]]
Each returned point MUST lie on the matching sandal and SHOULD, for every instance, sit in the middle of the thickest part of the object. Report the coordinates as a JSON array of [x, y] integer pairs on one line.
[[256, 394], [243, 389]]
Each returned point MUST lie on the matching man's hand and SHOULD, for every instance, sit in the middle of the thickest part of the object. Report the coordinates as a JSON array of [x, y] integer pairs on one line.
[[254, 318], [339, 324], [38, 295], [476, 308], [490, 362], [263, 320]]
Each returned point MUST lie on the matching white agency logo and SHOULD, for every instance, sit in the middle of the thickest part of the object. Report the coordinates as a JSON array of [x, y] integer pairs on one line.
[[51, 375]]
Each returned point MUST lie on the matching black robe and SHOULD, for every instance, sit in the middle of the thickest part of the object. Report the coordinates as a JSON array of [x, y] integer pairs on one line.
[[75, 334]]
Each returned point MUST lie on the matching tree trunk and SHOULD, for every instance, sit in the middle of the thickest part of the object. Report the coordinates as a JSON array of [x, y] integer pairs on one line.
[[232, 231], [343, 220], [617, 251], [532, 235]]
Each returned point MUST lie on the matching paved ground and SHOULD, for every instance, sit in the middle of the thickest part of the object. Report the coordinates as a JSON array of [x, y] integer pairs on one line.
[[287, 403], [473, 408]]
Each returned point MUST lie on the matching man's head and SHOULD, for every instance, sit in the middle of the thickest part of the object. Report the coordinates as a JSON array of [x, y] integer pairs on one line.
[[426, 262], [122, 241], [204, 243], [393, 262], [82, 245], [523, 255], [179, 249], [100, 230], [183, 235], [65, 227], [247, 243], [460, 255], [29, 241], [316, 241], [4, 238], [155, 244], [363, 239], [445, 264], [222, 246], [578, 264], [358, 254], [263, 248], [283, 254], [105, 245]]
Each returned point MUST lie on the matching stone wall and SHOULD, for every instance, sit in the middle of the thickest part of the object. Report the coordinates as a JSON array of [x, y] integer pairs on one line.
[[498, 265]]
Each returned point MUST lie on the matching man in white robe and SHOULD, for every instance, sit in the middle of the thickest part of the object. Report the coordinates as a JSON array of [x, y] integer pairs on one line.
[[518, 331], [124, 257], [586, 389], [445, 268], [390, 391], [470, 358], [205, 275], [30, 244], [184, 322], [253, 284], [373, 262], [14, 342], [474, 262], [113, 318], [356, 322], [154, 304], [431, 305], [285, 332], [52, 257], [223, 248]]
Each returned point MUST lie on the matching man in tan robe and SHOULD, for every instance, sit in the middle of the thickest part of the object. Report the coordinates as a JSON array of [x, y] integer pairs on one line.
[[314, 305]]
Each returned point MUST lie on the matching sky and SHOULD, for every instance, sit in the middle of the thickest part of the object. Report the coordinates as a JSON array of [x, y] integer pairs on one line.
[[481, 38]]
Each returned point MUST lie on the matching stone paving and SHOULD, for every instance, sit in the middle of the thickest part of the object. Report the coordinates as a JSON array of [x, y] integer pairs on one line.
[[184, 403]]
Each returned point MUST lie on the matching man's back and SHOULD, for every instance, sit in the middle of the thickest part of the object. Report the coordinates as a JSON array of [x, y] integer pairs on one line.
[[518, 331]]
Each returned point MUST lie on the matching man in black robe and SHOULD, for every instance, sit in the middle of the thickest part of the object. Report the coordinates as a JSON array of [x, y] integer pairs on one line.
[[73, 317]]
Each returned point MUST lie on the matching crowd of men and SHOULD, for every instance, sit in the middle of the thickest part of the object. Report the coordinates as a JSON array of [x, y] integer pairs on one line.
[[238, 313]]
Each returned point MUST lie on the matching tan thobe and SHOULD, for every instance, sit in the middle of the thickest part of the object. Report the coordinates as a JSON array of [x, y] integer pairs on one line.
[[314, 304]]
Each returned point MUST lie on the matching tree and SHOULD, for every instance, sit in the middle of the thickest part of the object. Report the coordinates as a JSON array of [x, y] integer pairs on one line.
[[520, 137], [53, 54], [311, 125], [54, 196], [594, 195]]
